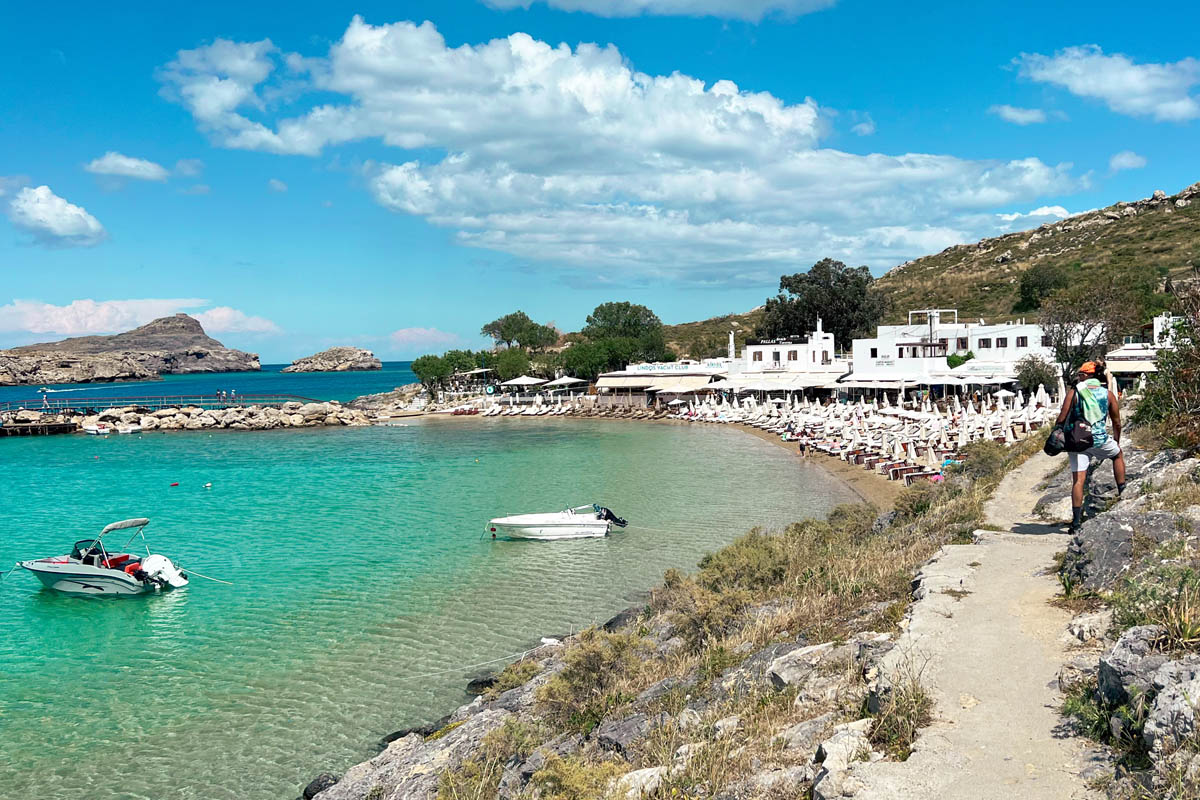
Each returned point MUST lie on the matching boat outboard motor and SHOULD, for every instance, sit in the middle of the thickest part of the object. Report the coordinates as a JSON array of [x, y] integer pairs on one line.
[[162, 571], [608, 516]]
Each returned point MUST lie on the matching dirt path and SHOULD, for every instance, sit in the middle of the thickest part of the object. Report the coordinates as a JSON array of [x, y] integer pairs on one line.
[[990, 659]]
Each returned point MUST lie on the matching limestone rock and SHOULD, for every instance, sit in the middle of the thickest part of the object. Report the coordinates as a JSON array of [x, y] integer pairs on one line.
[[1086, 627], [795, 667], [1173, 719], [318, 785], [805, 735], [336, 359], [410, 768], [1102, 551], [620, 735], [1131, 664], [640, 782]]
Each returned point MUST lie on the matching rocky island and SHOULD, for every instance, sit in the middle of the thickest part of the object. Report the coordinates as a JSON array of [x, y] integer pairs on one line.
[[337, 359], [170, 345]]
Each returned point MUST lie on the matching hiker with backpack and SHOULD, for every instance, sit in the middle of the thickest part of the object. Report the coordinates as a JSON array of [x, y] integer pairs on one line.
[[1085, 410]]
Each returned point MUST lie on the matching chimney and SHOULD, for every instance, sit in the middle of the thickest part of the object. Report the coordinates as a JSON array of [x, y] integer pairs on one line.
[[732, 348]]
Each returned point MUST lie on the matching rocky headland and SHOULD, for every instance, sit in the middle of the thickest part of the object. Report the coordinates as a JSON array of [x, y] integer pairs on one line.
[[192, 418], [337, 359], [170, 345]]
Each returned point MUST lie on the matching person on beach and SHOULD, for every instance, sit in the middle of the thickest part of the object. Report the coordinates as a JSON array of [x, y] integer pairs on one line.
[[1092, 401]]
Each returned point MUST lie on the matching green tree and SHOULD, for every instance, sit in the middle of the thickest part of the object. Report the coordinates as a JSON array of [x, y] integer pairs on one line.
[[511, 363], [1033, 371], [460, 360], [585, 360], [536, 337], [1037, 283], [1172, 393], [843, 297], [431, 371], [509, 328], [1091, 315], [621, 320]]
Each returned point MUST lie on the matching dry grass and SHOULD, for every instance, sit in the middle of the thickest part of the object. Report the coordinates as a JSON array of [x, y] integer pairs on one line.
[[515, 674], [907, 708]]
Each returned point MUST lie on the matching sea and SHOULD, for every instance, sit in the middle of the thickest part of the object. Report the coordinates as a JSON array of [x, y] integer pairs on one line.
[[360, 592]]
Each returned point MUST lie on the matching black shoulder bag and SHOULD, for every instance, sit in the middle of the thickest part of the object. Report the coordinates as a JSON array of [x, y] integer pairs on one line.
[[1077, 436]]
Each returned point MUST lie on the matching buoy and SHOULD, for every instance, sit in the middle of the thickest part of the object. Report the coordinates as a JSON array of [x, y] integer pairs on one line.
[[208, 485], [175, 484]]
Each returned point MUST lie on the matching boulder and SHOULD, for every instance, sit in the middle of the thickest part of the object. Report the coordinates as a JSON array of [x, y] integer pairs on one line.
[[1131, 664], [727, 727], [1103, 549], [620, 735], [794, 667], [805, 735], [411, 767], [336, 359], [1086, 627], [318, 785], [1172, 721], [835, 756], [640, 782]]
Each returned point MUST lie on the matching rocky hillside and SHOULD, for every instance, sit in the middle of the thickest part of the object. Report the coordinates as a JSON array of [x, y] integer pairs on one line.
[[982, 279], [169, 345], [710, 337], [337, 359]]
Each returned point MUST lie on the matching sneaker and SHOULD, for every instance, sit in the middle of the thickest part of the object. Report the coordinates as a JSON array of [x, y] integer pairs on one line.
[[1072, 529]]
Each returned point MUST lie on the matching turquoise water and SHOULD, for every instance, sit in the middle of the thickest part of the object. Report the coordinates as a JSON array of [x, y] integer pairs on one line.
[[342, 386], [362, 590]]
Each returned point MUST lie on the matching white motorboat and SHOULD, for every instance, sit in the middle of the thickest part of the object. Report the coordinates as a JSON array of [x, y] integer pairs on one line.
[[92, 569], [129, 429], [99, 429], [574, 523]]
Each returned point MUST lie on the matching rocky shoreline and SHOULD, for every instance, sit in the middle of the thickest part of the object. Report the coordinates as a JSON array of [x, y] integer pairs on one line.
[[337, 359], [192, 418]]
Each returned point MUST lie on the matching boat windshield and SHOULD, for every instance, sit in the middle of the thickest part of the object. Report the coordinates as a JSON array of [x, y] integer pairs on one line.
[[83, 546]]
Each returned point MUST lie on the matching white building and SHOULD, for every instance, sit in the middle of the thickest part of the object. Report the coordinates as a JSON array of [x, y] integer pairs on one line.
[[634, 384], [790, 363], [1128, 363], [917, 351]]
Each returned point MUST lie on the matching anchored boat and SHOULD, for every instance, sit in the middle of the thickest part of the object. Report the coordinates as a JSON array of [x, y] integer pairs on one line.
[[92, 569], [574, 523]]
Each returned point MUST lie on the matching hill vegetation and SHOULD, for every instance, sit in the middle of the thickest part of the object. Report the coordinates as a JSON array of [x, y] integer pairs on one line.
[[985, 279]]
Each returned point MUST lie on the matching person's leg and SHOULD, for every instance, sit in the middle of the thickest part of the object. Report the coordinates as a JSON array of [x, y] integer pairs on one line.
[[1079, 467], [1118, 467]]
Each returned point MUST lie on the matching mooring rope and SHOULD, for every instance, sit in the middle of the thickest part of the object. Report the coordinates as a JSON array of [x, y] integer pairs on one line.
[[468, 667]]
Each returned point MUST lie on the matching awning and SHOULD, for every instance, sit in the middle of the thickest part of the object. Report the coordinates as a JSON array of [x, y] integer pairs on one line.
[[524, 380], [136, 522], [1131, 367], [566, 381], [625, 382], [682, 384]]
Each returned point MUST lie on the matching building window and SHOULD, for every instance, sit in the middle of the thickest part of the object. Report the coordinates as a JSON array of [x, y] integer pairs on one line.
[[775, 356], [1022, 341], [984, 344], [944, 343], [1045, 341], [758, 355], [1002, 341], [825, 358], [792, 355], [963, 344], [874, 352], [901, 352]]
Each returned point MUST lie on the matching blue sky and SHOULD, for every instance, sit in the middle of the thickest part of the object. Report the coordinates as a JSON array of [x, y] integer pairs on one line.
[[395, 174]]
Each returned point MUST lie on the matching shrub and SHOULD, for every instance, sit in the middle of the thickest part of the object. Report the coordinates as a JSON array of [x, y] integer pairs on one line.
[[918, 499], [1166, 594], [589, 686], [574, 778], [515, 674], [983, 460], [479, 777], [907, 708]]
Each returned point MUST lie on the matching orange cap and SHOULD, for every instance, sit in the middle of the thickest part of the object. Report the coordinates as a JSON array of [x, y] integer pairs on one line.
[[1088, 368]]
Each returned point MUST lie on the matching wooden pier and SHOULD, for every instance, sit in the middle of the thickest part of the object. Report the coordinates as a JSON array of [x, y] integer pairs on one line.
[[37, 428]]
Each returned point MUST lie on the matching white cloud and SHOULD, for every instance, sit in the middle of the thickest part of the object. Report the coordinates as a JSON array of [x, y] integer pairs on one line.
[[123, 166], [276, 185], [52, 220], [1161, 91], [1019, 116], [86, 317], [83, 317], [572, 158], [412, 339], [866, 127], [189, 167], [1045, 212], [1126, 159], [752, 10], [224, 319]]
